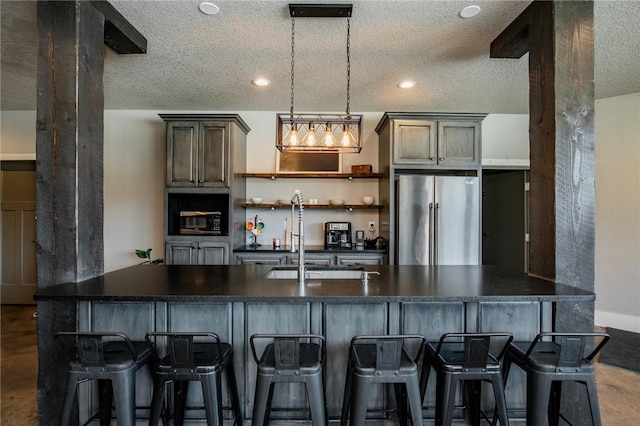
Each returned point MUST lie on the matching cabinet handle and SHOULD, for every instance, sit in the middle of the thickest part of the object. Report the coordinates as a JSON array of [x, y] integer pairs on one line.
[[441, 159]]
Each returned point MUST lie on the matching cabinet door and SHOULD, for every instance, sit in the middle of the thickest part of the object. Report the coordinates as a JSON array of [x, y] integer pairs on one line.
[[213, 155], [213, 253], [361, 260], [414, 142], [181, 253], [312, 259], [458, 142], [182, 141], [265, 259]]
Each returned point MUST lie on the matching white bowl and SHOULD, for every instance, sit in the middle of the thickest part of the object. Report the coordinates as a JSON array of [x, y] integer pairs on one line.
[[257, 200], [336, 202], [368, 200]]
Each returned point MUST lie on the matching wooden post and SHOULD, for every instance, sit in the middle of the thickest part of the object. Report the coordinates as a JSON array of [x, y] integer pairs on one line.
[[559, 38], [69, 156]]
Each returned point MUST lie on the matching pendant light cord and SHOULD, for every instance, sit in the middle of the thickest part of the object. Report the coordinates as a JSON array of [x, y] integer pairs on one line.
[[293, 37], [348, 62]]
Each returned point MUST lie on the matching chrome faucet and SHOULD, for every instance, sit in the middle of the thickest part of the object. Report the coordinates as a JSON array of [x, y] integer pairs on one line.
[[297, 198]]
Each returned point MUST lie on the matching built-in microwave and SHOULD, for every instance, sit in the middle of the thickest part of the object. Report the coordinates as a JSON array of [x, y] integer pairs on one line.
[[200, 223]]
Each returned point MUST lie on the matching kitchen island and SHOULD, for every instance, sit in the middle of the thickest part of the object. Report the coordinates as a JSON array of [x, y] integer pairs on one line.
[[238, 301]]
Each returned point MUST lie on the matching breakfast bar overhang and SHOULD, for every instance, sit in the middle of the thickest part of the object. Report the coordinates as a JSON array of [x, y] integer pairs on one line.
[[239, 301]]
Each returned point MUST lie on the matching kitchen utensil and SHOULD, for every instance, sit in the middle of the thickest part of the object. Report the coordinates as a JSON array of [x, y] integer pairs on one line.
[[336, 202], [256, 200]]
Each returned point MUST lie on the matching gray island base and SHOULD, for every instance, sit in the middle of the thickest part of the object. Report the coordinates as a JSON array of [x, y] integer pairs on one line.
[[238, 301]]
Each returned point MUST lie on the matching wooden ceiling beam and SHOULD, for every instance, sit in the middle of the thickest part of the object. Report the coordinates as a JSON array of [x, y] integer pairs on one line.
[[119, 34]]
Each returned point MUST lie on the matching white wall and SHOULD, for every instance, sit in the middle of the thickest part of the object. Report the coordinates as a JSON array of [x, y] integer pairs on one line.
[[617, 177], [505, 141]]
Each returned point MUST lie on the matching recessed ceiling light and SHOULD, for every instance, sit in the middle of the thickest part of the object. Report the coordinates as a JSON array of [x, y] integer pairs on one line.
[[406, 84], [470, 11], [261, 82], [208, 8]]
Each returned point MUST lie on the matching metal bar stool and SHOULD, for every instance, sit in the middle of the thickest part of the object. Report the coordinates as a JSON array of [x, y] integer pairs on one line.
[[198, 356], [112, 359], [549, 363], [469, 358], [290, 358], [382, 359]]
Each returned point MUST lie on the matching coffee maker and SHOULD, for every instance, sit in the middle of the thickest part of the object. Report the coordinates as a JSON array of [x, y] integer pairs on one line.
[[337, 235]]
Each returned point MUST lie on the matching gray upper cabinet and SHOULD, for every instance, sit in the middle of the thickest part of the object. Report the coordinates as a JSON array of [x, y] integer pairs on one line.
[[197, 154], [414, 142], [431, 140], [458, 143]]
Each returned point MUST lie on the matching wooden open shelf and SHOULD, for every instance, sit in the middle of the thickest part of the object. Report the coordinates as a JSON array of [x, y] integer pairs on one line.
[[274, 206], [348, 176]]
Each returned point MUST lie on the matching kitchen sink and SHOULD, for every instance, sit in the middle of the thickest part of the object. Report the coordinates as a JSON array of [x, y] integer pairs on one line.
[[315, 273]]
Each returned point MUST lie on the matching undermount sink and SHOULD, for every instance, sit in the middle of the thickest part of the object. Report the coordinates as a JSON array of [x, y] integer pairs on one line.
[[312, 273]]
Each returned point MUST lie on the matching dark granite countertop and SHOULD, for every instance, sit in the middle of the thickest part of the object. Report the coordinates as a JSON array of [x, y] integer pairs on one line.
[[247, 283], [268, 248]]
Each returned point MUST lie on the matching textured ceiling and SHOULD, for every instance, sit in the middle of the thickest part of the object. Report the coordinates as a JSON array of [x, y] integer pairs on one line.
[[199, 62]]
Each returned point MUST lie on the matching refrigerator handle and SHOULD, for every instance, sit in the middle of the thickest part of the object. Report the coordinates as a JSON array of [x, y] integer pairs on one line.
[[436, 223], [431, 232]]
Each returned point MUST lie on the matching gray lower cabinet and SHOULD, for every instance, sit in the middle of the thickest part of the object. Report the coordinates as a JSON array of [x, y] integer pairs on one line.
[[196, 253], [362, 259], [312, 259], [259, 259]]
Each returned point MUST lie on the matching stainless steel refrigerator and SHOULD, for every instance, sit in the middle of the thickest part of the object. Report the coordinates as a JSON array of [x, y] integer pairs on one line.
[[437, 220]]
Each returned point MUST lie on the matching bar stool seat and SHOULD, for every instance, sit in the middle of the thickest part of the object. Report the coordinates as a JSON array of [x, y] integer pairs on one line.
[[382, 359], [469, 358], [289, 358], [112, 359], [549, 363], [197, 356]]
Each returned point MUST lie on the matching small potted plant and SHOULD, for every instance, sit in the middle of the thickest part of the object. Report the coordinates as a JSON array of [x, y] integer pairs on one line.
[[146, 254]]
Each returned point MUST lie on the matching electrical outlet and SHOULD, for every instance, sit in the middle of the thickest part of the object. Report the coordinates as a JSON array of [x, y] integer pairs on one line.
[[372, 227]]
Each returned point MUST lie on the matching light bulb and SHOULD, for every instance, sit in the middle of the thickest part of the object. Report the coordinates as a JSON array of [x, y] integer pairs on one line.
[[310, 137], [329, 139], [347, 137], [291, 138]]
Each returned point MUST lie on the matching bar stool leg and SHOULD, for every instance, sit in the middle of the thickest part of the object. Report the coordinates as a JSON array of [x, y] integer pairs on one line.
[[70, 395], [105, 397], [501, 403], [124, 390], [445, 396], [212, 393], [359, 400], [472, 390], [156, 402], [554, 403], [260, 401], [315, 394], [401, 402], [538, 391], [233, 389], [415, 401], [346, 398], [180, 388], [592, 392], [424, 378]]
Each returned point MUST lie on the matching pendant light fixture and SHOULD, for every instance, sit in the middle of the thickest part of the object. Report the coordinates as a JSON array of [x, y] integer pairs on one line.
[[319, 132]]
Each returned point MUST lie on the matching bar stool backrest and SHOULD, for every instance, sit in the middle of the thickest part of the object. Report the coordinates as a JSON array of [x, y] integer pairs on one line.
[[479, 348], [573, 347], [388, 354], [286, 349], [89, 347], [476, 351], [287, 352], [181, 348]]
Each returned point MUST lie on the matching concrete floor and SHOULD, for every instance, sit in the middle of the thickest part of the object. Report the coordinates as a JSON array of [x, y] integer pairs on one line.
[[618, 389]]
